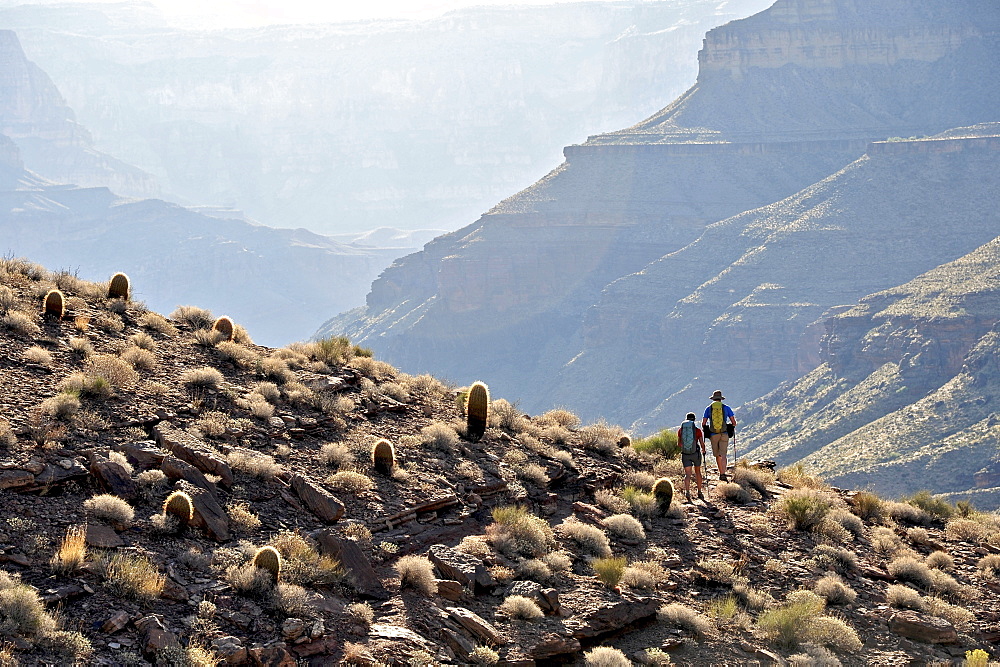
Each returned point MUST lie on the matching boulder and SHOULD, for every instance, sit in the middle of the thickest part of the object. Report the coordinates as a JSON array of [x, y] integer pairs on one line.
[[551, 645], [13, 479], [188, 448], [922, 627], [462, 567], [103, 537], [143, 455], [113, 478], [475, 624], [319, 501], [208, 513], [176, 469], [154, 636], [612, 615], [353, 559], [450, 589]]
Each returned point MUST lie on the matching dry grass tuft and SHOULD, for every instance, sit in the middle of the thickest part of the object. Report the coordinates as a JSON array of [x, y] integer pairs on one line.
[[261, 466], [625, 525], [908, 568], [521, 608], [515, 531], [72, 551], [106, 507], [605, 656], [440, 436], [904, 597], [609, 570], [134, 577], [348, 481], [601, 437], [833, 588], [337, 455], [682, 617], [416, 572], [733, 492], [939, 560], [805, 508], [589, 539], [797, 476]]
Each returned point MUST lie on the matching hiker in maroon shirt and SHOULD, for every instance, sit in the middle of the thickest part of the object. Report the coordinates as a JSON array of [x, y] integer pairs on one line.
[[692, 445]]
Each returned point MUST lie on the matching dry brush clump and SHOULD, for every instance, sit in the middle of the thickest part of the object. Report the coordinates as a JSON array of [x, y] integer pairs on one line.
[[805, 508], [416, 572], [685, 618], [521, 608], [72, 551], [110, 508], [516, 532], [591, 540]]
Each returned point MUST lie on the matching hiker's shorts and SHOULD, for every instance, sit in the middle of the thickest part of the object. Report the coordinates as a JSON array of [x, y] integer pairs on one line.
[[720, 444], [691, 460]]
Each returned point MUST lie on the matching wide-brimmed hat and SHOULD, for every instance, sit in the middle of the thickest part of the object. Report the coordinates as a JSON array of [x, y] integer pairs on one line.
[[717, 396]]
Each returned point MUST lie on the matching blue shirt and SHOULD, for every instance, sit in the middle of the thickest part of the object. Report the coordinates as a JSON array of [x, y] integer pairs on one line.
[[727, 414]]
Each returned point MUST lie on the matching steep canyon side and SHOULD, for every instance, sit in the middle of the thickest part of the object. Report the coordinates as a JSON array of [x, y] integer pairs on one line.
[[611, 284]]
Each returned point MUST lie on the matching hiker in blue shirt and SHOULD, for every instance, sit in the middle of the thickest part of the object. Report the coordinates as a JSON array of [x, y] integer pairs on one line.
[[692, 445], [720, 424]]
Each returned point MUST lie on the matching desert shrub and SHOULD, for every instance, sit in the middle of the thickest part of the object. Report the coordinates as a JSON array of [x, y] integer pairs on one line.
[[194, 317], [787, 625], [483, 655], [751, 598], [944, 584], [589, 539], [373, 369], [116, 371], [611, 501], [139, 358], [966, 530], [113, 509], [989, 566], [61, 406], [833, 632], [7, 299], [601, 437], [81, 346], [733, 492], [958, 616], [625, 525], [521, 608], [605, 656], [261, 466], [609, 570], [200, 379], [134, 577], [796, 476], [337, 455], [241, 518], [664, 442], [143, 341], [348, 481], [926, 501], [504, 414], [558, 562], [684, 618], [250, 581], [151, 481], [906, 513], [908, 568], [303, 564], [868, 506], [20, 323], [717, 570], [918, 535], [833, 588], [416, 572], [903, 597], [516, 531], [560, 417], [38, 355], [840, 559], [847, 520], [939, 560], [644, 575], [534, 569], [361, 613], [885, 541], [72, 551], [805, 508], [439, 435], [292, 600], [235, 353], [22, 610], [641, 503], [86, 385], [157, 323], [753, 478]]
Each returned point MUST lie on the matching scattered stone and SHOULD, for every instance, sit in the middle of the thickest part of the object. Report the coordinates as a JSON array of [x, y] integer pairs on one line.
[[115, 623], [208, 514], [230, 649], [143, 455], [353, 559], [154, 636], [113, 478], [612, 615], [190, 449], [292, 629], [450, 589], [463, 568], [922, 627], [552, 645], [272, 656], [103, 537], [13, 479], [474, 624], [319, 501]]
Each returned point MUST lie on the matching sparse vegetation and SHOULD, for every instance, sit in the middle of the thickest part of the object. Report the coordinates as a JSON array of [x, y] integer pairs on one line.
[[515, 531], [609, 570], [687, 619], [106, 507], [805, 508], [521, 608], [416, 572]]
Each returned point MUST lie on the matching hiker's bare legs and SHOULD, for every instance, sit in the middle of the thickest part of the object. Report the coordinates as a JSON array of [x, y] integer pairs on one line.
[[720, 448], [697, 478], [687, 482]]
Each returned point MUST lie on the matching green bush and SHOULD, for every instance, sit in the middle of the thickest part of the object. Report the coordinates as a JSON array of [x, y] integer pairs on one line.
[[664, 442], [805, 508], [937, 507], [609, 570]]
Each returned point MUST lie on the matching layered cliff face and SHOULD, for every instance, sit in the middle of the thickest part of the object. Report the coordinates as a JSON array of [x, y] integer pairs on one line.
[[347, 127], [906, 396], [606, 285], [52, 143]]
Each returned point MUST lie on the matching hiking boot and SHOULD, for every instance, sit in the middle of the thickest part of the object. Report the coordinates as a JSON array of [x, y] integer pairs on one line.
[[688, 494], [723, 477], [701, 496]]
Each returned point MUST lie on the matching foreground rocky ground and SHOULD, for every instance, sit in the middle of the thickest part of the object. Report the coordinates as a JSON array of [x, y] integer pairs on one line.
[[508, 549]]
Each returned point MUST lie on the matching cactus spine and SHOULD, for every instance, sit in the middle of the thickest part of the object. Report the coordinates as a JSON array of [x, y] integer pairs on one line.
[[180, 505], [55, 304], [268, 558], [224, 326], [383, 456], [119, 287], [663, 489], [478, 410]]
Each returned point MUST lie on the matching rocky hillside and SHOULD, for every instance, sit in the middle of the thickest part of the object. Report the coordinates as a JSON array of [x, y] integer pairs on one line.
[[565, 293], [155, 475], [111, 408], [905, 396]]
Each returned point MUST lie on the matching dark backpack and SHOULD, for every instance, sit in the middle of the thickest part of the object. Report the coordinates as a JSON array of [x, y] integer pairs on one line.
[[688, 440]]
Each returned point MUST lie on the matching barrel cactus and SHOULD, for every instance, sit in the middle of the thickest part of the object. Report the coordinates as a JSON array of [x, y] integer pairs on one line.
[[119, 287], [180, 505], [663, 490], [55, 303], [268, 558], [224, 326], [478, 410], [383, 456]]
